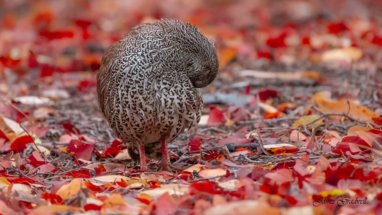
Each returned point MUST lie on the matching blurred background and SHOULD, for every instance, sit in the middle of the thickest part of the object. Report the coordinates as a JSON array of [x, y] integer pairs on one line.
[[45, 40]]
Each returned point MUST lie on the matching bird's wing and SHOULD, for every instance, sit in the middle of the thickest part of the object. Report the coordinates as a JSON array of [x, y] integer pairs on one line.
[[179, 104]]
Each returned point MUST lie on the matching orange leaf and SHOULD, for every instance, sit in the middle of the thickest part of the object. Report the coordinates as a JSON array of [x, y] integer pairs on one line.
[[343, 106], [226, 55]]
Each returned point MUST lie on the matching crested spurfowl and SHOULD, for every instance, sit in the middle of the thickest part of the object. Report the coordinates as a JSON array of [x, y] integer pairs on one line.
[[147, 84]]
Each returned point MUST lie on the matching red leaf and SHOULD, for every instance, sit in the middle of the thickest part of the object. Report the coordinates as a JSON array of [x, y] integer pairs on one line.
[[154, 184], [247, 89], [83, 23], [20, 143], [143, 200], [212, 155], [116, 147], [21, 180], [3, 136], [194, 145], [46, 71], [80, 150], [378, 120], [358, 148], [165, 204], [185, 176], [339, 171], [216, 117], [32, 60], [8, 61], [280, 176], [377, 40], [92, 207], [264, 54], [69, 127], [54, 35], [52, 198], [121, 183], [266, 94], [277, 42], [93, 187], [82, 173], [337, 27], [100, 169], [305, 40], [35, 159], [86, 84], [205, 186], [290, 199]]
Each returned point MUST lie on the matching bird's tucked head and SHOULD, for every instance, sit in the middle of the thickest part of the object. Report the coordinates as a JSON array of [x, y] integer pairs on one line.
[[200, 60], [203, 69]]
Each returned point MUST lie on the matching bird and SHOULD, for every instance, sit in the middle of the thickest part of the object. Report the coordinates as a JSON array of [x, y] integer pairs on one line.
[[147, 84]]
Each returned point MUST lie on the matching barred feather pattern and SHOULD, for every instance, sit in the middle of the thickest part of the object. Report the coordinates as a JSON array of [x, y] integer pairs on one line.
[[147, 83]]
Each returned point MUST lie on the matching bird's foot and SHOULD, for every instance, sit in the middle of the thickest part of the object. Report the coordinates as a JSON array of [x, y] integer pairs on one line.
[[142, 158]]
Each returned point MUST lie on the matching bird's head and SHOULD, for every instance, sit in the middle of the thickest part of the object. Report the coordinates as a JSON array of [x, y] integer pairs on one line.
[[203, 68], [200, 59]]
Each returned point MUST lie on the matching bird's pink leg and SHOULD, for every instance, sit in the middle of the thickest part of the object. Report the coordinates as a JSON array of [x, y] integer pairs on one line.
[[142, 157], [165, 158]]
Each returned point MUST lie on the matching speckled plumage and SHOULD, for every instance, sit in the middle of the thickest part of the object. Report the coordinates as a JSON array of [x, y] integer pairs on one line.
[[147, 81]]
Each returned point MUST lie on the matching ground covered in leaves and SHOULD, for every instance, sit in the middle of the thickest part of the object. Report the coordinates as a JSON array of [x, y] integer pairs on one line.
[[292, 124]]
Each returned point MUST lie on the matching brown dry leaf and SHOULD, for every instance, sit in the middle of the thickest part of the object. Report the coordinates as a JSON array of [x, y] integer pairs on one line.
[[230, 184], [115, 199], [209, 173], [43, 112], [70, 190], [342, 106], [123, 155], [247, 207], [308, 121], [296, 136], [370, 138], [172, 189], [53, 209], [350, 54], [355, 129], [268, 108], [11, 128], [99, 180], [195, 168]]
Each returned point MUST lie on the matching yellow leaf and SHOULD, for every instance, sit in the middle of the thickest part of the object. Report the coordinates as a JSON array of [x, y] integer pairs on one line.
[[334, 192], [342, 106], [70, 190], [4, 181], [308, 121]]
